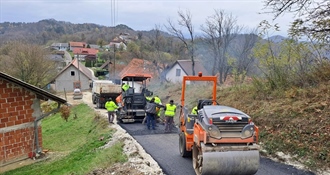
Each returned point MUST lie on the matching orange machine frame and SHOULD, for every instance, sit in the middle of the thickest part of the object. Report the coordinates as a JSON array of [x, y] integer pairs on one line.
[[200, 133], [199, 77]]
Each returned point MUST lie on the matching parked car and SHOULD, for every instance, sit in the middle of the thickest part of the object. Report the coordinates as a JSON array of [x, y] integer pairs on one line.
[[77, 94]]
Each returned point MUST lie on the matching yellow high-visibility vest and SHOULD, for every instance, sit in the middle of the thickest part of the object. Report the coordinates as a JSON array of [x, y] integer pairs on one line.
[[170, 110]]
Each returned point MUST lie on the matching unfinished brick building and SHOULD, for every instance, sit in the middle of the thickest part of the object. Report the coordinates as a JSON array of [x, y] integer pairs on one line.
[[20, 116]]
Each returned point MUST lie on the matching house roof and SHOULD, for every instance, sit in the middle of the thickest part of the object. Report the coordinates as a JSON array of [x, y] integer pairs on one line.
[[56, 58], [60, 45], [85, 51], [77, 44], [41, 94], [136, 66], [58, 52], [135, 76], [186, 66], [94, 46], [82, 69], [117, 40], [105, 65]]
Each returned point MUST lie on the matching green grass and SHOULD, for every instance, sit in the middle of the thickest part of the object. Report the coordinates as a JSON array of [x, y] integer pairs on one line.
[[78, 142]]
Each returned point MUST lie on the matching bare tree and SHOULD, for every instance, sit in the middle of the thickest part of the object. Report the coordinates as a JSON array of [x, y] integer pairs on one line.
[[313, 17], [158, 43], [219, 32], [27, 62], [185, 20], [243, 52]]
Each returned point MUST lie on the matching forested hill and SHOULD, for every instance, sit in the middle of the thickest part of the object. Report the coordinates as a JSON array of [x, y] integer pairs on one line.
[[48, 30]]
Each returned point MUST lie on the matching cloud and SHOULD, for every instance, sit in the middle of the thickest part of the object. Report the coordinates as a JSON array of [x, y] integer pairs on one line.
[[137, 14]]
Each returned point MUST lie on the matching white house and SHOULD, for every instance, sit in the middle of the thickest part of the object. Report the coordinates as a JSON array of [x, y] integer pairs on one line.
[[60, 46], [182, 68], [71, 77], [117, 44]]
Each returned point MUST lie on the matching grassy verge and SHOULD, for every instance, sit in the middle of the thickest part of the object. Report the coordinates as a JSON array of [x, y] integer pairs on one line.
[[76, 144], [295, 121]]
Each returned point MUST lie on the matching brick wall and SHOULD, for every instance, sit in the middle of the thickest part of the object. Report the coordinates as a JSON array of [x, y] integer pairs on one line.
[[16, 122]]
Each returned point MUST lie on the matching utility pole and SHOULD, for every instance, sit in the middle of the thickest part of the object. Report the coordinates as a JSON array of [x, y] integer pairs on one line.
[[114, 61], [113, 22], [109, 69], [78, 70]]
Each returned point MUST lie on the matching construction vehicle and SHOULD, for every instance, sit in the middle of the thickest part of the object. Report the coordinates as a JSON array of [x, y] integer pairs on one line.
[[221, 139], [102, 90], [133, 101]]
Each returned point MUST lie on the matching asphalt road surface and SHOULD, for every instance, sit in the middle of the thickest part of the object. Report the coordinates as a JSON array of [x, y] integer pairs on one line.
[[164, 148]]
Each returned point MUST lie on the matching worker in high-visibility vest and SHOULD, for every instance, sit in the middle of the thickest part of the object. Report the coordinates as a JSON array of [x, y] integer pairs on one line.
[[125, 86], [111, 107], [159, 102], [194, 110], [170, 110]]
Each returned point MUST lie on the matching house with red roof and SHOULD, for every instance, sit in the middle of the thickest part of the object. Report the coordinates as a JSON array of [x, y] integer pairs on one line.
[[141, 67], [80, 45], [85, 54]]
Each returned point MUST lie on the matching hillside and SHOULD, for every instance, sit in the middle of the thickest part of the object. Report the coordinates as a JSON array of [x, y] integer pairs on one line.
[[50, 30]]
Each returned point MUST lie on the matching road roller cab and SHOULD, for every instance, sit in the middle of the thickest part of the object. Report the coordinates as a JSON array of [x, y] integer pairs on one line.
[[220, 139]]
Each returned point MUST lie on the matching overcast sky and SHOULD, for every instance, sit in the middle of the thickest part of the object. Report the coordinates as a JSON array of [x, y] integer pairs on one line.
[[136, 14]]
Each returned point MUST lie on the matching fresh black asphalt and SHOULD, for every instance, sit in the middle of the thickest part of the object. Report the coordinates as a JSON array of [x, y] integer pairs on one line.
[[164, 148]]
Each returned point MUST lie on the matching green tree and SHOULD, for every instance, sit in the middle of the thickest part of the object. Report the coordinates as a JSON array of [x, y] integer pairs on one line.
[[134, 49], [284, 65], [101, 42], [28, 62], [88, 63]]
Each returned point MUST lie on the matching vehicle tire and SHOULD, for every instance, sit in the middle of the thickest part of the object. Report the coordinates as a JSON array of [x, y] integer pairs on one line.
[[98, 104], [182, 146], [93, 99], [197, 163]]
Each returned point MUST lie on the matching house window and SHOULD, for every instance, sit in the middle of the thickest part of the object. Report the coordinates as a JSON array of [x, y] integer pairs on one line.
[[72, 73], [178, 72]]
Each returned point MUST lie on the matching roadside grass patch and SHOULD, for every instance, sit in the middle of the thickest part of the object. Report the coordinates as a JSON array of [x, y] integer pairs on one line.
[[294, 121], [77, 142]]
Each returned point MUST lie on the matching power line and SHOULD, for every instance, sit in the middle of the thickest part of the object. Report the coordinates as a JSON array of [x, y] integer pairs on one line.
[[114, 10]]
